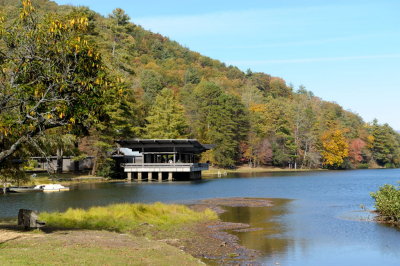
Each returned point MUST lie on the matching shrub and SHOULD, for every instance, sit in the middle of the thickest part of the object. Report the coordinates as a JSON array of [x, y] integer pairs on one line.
[[363, 166], [106, 168], [387, 202]]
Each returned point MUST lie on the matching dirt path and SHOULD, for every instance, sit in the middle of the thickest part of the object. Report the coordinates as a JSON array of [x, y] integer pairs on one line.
[[8, 235]]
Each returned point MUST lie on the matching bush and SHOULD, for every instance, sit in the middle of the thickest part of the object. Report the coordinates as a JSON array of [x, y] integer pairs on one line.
[[107, 168], [30, 165], [363, 166], [387, 202]]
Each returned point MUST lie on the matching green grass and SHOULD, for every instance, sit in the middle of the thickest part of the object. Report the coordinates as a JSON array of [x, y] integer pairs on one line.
[[55, 251], [95, 247], [125, 217]]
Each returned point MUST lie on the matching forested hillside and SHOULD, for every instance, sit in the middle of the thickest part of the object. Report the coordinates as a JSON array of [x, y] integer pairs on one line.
[[164, 90]]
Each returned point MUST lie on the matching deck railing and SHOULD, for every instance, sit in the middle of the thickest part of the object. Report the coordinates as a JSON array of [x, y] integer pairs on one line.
[[166, 165]]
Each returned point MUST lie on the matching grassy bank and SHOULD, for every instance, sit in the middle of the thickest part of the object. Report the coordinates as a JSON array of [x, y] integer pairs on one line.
[[387, 203], [64, 179], [126, 217], [119, 234]]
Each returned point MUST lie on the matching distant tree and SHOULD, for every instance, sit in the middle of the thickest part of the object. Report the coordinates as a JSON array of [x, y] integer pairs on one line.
[[120, 17], [278, 88], [335, 147], [251, 96], [235, 73], [192, 76], [151, 82], [221, 120], [249, 73], [303, 126], [303, 91], [227, 123], [166, 118], [356, 151], [257, 151], [259, 80], [385, 145]]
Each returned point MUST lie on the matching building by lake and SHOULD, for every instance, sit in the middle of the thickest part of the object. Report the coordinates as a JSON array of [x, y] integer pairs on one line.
[[163, 159]]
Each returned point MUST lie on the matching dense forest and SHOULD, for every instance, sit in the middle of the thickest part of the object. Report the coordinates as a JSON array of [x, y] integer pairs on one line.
[[127, 82]]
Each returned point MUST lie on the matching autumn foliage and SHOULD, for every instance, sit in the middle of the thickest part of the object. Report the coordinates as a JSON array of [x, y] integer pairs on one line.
[[118, 80], [335, 147]]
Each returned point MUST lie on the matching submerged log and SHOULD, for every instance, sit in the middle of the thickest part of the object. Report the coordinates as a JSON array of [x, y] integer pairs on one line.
[[29, 219]]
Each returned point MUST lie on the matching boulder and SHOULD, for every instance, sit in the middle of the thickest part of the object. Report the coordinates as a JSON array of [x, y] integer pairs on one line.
[[29, 219]]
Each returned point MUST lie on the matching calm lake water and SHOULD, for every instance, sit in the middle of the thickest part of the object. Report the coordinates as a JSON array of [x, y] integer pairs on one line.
[[317, 218]]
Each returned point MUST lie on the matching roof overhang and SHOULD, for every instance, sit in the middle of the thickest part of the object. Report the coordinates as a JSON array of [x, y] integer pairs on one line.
[[165, 145]]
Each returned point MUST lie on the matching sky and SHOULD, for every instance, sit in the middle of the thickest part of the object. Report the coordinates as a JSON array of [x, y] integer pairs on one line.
[[345, 51]]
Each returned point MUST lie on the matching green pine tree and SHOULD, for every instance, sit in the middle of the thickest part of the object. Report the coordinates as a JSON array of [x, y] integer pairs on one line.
[[166, 118]]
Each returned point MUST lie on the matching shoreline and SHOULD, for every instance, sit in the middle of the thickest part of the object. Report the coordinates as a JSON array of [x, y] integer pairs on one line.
[[245, 169], [208, 241], [73, 179], [385, 220]]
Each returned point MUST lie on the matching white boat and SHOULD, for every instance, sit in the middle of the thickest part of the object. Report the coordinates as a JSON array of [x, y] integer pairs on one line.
[[22, 189], [51, 187]]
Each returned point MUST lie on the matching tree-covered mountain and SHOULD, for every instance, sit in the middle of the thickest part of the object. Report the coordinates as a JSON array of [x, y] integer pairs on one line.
[[166, 90]]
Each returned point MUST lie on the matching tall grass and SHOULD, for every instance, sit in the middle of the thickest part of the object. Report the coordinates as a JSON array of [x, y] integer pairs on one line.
[[125, 217]]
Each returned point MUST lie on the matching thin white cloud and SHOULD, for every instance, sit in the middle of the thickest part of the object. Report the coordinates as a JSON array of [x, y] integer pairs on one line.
[[314, 59], [323, 41], [226, 22]]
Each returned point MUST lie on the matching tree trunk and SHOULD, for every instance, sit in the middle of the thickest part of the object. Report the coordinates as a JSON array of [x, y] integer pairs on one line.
[[94, 169], [59, 160], [113, 49], [5, 186], [304, 155], [76, 166]]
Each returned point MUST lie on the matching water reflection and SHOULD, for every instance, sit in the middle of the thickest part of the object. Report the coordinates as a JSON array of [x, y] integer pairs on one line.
[[269, 238], [288, 235]]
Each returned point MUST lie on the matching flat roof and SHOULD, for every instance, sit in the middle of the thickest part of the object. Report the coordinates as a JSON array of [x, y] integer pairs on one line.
[[165, 145]]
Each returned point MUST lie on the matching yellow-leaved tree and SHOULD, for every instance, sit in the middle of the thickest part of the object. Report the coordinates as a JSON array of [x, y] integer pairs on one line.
[[335, 147], [51, 76]]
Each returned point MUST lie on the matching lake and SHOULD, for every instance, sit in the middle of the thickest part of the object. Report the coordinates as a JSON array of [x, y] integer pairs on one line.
[[318, 218]]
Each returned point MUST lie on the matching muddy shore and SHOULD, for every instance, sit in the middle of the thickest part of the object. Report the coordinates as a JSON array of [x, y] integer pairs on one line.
[[214, 244]]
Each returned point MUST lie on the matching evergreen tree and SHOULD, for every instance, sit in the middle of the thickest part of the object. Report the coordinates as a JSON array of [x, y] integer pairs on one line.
[[120, 17], [221, 120], [385, 145], [166, 119]]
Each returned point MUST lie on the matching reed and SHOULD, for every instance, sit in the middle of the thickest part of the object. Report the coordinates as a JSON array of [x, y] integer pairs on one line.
[[125, 217]]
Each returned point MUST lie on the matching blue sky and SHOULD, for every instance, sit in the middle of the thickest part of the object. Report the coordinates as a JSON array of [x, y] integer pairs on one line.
[[344, 51]]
